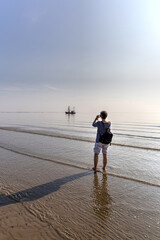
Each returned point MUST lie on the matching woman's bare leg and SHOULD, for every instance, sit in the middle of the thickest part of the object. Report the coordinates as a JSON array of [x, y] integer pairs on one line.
[[104, 161], [95, 161]]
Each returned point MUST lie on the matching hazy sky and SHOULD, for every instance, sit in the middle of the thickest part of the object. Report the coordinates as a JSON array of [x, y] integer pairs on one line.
[[89, 54]]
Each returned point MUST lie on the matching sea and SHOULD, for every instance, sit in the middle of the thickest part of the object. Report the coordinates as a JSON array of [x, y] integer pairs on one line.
[[69, 140]]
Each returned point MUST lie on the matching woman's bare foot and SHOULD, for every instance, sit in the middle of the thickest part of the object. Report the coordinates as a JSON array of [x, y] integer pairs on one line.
[[94, 169]]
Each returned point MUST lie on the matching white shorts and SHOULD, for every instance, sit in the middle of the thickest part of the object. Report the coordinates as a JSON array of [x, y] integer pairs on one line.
[[98, 146]]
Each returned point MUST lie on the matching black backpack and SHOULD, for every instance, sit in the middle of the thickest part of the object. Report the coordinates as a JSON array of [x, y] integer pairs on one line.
[[106, 138]]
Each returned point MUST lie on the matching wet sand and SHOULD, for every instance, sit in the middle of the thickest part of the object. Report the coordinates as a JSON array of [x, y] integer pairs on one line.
[[45, 200]]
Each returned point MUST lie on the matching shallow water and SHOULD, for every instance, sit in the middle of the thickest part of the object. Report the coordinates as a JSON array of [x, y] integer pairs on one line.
[[134, 154], [41, 199]]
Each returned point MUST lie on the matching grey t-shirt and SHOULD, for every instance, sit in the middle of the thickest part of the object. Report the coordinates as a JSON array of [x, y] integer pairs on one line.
[[101, 128]]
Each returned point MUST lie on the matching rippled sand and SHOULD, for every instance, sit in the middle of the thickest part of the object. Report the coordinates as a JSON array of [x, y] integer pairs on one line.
[[45, 200]]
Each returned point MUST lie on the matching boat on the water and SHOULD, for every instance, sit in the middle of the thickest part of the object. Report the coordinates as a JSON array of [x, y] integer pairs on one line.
[[70, 111]]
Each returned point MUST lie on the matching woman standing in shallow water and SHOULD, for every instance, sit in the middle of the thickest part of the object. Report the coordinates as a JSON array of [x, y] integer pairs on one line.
[[101, 128]]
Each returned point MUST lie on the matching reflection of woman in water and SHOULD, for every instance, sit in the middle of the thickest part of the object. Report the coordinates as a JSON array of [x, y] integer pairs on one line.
[[101, 197]]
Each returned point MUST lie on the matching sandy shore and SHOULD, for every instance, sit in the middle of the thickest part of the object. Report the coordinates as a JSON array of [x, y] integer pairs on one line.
[[45, 200]]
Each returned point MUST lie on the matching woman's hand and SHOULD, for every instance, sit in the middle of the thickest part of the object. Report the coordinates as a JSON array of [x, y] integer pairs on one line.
[[98, 116]]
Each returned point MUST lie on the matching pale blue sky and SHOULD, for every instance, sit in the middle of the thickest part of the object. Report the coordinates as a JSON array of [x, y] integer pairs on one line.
[[85, 53]]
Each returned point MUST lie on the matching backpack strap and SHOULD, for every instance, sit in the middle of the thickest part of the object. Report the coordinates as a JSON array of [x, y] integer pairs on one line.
[[104, 126]]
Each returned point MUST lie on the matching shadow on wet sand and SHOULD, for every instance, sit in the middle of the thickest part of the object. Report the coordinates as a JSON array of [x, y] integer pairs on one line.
[[40, 191]]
